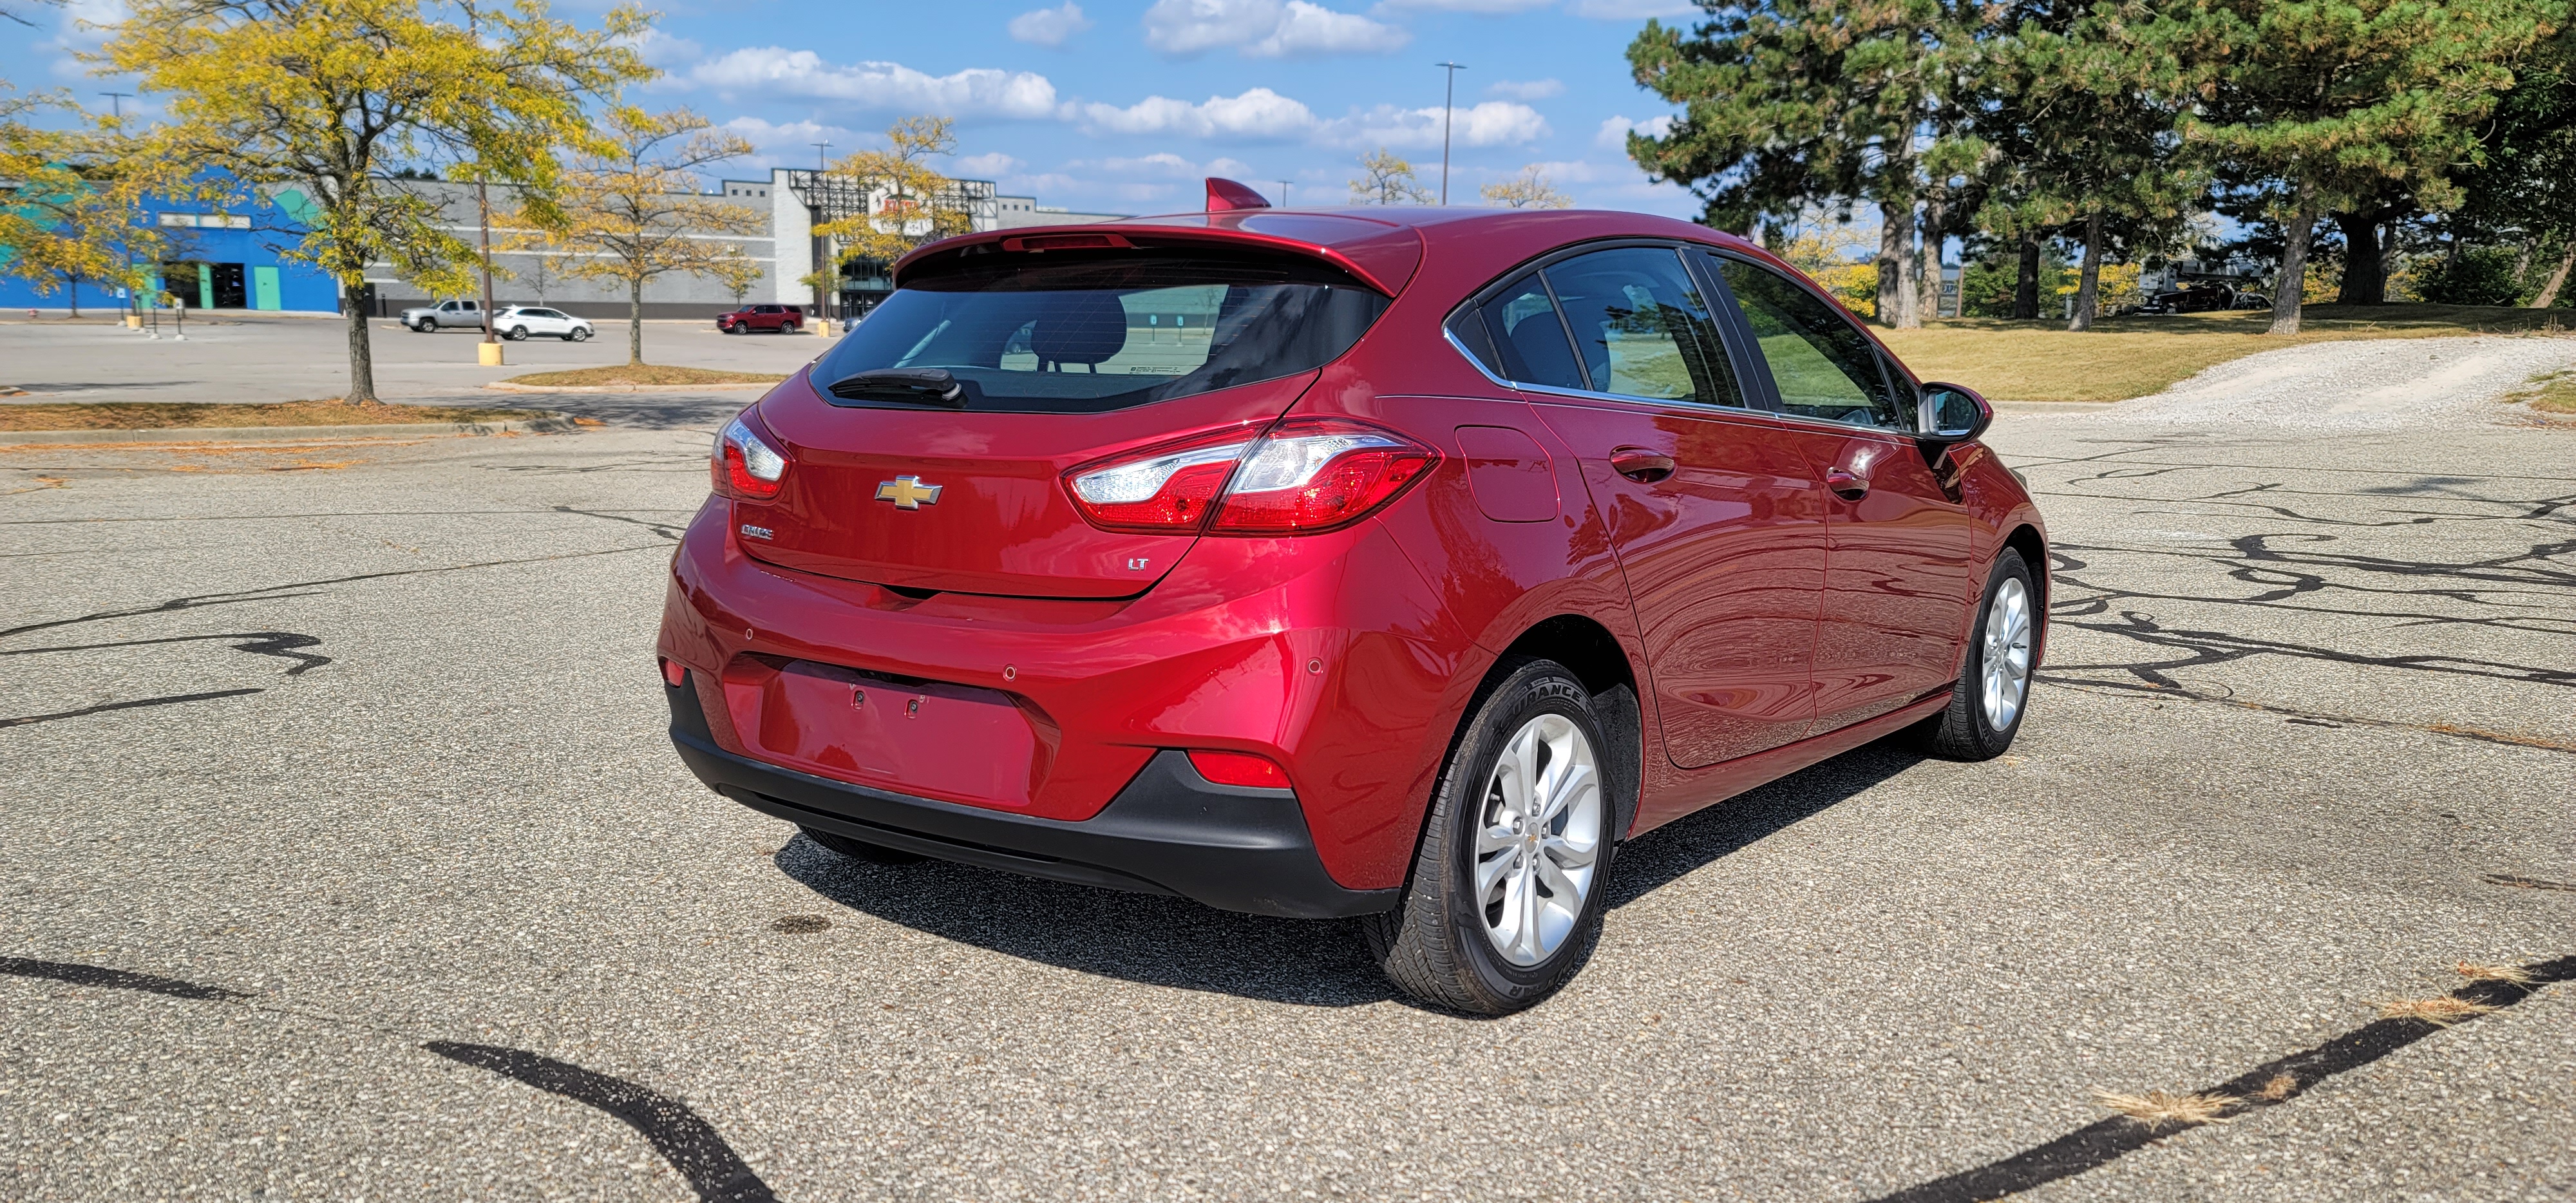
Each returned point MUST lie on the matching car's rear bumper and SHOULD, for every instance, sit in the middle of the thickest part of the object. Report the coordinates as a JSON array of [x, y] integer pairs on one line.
[[1170, 831]]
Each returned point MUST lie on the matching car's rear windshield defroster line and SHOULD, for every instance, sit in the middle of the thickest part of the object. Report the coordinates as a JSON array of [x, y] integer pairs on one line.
[[1088, 332]]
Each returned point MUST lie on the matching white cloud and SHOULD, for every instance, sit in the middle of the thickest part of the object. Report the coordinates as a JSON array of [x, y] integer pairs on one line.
[[1265, 29], [1614, 132], [1466, 6], [1631, 10], [1491, 123], [1258, 113], [791, 143], [978, 91], [663, 50], [1049, 27], [1167, 164], [988, 166], [1526, 89]]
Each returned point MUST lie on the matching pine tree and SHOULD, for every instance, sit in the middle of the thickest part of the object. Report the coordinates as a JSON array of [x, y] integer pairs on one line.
[[2333, 101]]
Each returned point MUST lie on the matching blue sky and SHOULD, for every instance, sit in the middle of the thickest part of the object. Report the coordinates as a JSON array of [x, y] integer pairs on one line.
[[1122, 105]]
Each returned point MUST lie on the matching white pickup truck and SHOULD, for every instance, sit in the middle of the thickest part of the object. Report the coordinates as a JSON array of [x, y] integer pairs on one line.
[[427, 318]]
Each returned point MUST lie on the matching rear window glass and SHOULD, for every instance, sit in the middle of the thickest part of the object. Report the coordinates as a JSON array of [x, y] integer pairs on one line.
[[1082, 332]]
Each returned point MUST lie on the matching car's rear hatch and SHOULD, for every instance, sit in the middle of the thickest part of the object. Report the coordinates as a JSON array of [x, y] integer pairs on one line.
[[938, 461], [974, 503]]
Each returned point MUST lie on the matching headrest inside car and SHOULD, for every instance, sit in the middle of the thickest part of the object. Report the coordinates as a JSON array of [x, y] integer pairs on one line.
[[1080, 327]]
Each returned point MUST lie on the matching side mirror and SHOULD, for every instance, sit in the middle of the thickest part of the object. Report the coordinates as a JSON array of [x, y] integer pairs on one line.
[[1949, 414]]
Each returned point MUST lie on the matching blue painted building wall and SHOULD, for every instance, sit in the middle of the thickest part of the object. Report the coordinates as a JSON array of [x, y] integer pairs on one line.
[[214, 256]]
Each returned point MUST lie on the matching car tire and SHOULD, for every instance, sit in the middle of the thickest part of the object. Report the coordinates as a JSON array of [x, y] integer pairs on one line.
[[787, 328], [579, 334], [875, 854], [1483, 927], [427, 325], [736, 328], [1993, 691], [516, 334]]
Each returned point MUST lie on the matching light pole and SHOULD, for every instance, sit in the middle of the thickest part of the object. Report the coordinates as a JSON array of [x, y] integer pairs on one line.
[[1283, 194], [1448, 102], [822, 160], [116, 103]]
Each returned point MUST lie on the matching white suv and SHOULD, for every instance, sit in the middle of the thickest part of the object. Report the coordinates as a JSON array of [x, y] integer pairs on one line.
[[516, 322]]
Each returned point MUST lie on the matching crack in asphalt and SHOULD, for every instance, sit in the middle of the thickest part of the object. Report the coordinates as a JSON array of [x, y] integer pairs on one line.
[[685, 1140], [2267, 1085]]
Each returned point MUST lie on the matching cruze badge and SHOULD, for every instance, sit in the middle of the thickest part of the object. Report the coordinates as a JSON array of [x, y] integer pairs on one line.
[[908, 493]]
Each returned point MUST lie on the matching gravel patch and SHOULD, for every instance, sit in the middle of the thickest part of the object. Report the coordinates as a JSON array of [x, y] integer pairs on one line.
[[2382, 384]]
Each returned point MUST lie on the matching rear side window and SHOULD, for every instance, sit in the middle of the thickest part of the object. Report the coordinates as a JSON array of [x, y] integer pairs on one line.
[[1823, 366], [1529, 337], [1084, 332], [1642, 328]]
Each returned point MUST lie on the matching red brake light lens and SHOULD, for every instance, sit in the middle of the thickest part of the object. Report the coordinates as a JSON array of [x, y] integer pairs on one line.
[[1240, 769], [1159, 490], [746, 468], [1317, 474], [1306, 475]]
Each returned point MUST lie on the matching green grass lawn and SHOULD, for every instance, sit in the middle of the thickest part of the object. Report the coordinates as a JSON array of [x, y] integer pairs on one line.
[[2134, 356]]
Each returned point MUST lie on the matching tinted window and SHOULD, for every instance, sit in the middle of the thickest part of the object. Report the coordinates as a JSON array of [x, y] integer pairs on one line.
[[1529, 337], [1641, 326], [1083, 332], [1823, 365]]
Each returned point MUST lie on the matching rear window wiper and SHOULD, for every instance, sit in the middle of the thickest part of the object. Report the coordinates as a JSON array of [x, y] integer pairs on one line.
[[920, 386]]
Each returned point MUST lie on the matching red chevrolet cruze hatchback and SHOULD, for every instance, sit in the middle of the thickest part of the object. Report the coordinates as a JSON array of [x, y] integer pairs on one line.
[[1395, 564]]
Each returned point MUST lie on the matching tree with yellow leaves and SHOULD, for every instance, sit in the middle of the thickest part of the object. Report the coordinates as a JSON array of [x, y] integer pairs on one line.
[[908, 202], [632, 210], [1528, 190], [329, 96], [1387, 180]]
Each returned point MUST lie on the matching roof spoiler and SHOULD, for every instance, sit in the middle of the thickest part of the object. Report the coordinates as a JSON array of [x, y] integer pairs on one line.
[[1225, 196]]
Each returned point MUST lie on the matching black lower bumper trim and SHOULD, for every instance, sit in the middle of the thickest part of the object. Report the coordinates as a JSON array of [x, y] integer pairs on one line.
[[1170, 831]]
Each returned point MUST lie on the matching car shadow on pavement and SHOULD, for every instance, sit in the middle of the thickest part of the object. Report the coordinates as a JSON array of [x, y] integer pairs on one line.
[[1179, 943], [1147, 938], [1665, 854]]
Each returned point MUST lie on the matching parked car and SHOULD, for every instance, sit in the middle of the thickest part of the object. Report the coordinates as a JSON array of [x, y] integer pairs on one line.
[[1399, 567], [516, 322], [784, 318], [427, 319], [2195, 298]]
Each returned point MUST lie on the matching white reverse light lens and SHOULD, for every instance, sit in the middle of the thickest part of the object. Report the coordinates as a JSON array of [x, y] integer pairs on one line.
[[1291, 463], [757, 458], [1129, 484]]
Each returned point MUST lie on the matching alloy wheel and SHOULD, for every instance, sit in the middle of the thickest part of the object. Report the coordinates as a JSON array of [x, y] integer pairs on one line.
[[2006, 655], [1538, 841]]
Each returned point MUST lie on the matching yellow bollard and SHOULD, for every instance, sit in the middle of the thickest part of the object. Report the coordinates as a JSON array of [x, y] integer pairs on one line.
[[488, 354], [133, 321]]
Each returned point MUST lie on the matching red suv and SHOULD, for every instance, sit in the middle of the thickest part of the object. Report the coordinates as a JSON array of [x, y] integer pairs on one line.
[[761, 317], [1390, 563]]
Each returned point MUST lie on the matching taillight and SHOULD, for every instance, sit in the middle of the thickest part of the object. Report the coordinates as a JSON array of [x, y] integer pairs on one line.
[[1307, 474], [1161, 490], [746, 468], [1315, 474]]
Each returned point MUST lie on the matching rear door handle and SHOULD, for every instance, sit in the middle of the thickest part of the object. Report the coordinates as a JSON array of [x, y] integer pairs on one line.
[[1641, 465], [1850, 486]]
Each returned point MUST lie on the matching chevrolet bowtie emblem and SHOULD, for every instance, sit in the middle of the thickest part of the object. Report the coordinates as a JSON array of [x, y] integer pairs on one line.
[[908, 493]]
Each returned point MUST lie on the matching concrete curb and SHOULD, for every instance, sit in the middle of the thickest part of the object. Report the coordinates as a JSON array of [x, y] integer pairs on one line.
[[264, 434], [507, 387]]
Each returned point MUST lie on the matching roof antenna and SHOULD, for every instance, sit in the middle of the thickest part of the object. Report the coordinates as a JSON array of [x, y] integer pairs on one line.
[[1225, 196]]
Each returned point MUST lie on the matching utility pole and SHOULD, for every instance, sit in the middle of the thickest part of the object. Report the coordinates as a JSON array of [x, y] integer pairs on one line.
[[822, 160], [1283, 194], [116, 102], [1448, 103], [483, 208]]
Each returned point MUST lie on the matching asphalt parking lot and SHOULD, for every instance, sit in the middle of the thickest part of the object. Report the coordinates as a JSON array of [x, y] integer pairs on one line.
[[346, 858]]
